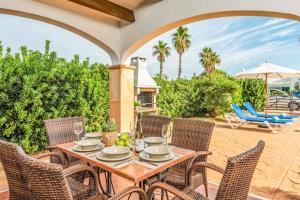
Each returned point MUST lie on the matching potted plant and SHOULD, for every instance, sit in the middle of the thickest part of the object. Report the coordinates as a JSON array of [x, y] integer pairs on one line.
[[109, 134], [137, 104]]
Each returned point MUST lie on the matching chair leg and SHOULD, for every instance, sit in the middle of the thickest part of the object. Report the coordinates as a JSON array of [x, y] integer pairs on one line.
[[162, 192], [270, 127], [205, 182], [162, 195]]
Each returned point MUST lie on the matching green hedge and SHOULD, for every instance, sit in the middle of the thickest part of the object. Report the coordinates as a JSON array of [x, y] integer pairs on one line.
[[174, 97], [254, 91], [207, 95], [37, 86]]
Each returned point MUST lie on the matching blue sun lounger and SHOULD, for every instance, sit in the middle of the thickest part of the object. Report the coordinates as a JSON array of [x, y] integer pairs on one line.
[[244, 119], [250, 108]]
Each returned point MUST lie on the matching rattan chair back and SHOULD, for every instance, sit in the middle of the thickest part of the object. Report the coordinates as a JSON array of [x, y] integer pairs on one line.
[[152, 125], [192, 134], [47, 181], [11, 156], [61, 130], [238, 174]]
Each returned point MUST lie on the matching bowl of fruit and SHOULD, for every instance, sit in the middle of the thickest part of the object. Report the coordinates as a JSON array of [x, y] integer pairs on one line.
[[124, 139]]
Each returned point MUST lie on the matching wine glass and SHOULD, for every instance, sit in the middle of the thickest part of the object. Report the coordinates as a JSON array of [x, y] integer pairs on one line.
[[165, 133], [132, 135], [78, 129]]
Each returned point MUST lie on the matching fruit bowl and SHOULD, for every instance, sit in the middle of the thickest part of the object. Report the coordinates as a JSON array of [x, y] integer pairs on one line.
[[123, 140]]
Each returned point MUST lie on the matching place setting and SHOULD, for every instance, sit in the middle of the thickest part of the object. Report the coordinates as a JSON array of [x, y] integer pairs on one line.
[[157, 151], [91, 142], [115, 155]]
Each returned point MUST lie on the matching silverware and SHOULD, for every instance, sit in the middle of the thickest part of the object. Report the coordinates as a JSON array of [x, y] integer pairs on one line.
[[89, 153], [151, 163], [93, 155], [124, 161]]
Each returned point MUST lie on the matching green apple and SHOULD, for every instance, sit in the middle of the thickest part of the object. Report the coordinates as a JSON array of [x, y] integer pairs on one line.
[[127, 142], [121, 143], [117, 142], [123, 136]]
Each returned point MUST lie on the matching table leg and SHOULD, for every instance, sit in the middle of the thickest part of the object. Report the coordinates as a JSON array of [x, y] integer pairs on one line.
[[108, 184]]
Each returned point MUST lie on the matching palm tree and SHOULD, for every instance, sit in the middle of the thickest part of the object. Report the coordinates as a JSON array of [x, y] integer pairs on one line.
[[162, 50], [181, 41], [209, 59]]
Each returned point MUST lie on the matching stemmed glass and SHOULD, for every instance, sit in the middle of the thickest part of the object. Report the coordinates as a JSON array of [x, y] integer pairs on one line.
[[78, 129], [165, 133], [132, 135]]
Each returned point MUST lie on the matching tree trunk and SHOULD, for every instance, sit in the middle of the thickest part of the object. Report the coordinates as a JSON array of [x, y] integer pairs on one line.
[[161, 69], [180, 67]]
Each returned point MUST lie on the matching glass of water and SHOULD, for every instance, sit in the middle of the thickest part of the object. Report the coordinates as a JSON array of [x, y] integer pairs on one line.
[[165, 133], [133, 143], [78, 129]]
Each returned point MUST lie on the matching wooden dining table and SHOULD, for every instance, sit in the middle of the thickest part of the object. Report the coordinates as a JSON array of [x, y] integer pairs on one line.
[[135, 172]]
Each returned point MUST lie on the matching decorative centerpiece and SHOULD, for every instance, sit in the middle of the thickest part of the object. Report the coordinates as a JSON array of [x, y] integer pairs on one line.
[[109, 134], [123, 140], [137, 105]]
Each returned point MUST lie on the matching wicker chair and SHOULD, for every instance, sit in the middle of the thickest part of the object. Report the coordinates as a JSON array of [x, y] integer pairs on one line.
[[11, 157], [236, 179], [152, 125], [61, 131], [194, 135], [51, 182]]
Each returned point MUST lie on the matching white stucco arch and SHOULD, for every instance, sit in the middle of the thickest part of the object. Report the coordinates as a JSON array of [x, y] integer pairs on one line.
[[161, 17], [104, 35]]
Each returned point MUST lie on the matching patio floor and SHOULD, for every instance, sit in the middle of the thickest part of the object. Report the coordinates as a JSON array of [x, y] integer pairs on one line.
[[277, 175], [278, 172], [121, 184]]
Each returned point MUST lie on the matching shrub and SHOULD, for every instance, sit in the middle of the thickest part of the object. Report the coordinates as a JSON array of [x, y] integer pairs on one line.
[[209, 94], [173, 97], [254, 91], [37, 86], [213, 93]]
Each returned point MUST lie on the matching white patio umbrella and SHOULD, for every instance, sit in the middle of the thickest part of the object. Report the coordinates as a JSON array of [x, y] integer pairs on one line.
[[268, 70]]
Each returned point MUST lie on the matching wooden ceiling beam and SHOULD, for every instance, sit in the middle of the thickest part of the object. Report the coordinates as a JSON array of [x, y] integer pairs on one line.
[[109, 8]]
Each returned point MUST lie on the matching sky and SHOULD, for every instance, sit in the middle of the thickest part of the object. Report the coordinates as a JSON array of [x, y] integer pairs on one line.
[[17, 31], [241, 42]]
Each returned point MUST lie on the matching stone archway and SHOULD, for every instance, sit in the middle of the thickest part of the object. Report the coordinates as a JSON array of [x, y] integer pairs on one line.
[[167, 27]]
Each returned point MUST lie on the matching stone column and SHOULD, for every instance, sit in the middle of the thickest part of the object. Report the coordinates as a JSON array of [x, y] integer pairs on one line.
[[121, 94]]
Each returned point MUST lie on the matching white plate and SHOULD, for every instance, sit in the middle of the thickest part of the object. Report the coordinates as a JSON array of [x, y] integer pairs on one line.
[[93, 135], [157, 150], [88, 143], [154, 140], [144, 156], [80, 149], [115, 150], [101, 156]]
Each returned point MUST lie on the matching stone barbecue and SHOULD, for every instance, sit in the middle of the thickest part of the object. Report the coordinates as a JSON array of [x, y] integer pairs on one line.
[[145, 87]]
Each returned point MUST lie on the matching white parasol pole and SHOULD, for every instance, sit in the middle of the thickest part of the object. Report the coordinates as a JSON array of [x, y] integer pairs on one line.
[[267, 95]]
